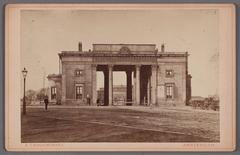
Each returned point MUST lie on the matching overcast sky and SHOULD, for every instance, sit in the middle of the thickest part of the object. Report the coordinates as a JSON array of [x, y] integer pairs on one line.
[[46, 33]]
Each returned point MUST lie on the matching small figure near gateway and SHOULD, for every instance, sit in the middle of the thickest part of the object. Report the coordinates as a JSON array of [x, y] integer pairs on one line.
[[153, 77], [46, 102], [88, 100]]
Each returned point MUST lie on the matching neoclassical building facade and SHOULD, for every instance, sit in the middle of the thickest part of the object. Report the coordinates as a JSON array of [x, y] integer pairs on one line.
[[154, 77]]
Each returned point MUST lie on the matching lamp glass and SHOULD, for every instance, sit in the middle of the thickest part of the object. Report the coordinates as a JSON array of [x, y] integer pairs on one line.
[[24, 72]]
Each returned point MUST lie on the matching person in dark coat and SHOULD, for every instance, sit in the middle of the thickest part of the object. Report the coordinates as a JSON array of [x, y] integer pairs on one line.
[[46, 102], [98, 102], [88, 99]]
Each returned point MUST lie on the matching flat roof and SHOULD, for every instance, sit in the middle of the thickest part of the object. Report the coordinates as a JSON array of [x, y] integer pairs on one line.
[[100, 54]]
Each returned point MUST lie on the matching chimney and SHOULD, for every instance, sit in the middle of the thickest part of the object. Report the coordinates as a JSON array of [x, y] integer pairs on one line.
[[80, 46], [162, 48]]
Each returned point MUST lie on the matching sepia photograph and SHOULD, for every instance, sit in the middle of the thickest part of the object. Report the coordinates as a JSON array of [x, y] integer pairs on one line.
[[121, 74]]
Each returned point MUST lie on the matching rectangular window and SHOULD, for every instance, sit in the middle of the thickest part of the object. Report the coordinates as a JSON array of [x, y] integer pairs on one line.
[[169, 90], [169, 73], [79, 91], [53, 93], [78, 72]]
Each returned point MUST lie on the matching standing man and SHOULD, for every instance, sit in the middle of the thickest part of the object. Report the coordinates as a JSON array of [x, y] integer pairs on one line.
[[46, 102], [88, 99], [98, 102]]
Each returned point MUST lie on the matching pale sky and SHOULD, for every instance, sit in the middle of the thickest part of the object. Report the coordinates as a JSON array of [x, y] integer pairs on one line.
[[44, 34]]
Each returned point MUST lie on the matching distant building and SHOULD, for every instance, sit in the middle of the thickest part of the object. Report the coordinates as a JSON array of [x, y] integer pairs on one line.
[[119, 95], [197, 99], [159, 77]]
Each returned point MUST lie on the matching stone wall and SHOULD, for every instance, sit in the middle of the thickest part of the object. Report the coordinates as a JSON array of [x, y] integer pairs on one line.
[[69, 67], [178, 66]]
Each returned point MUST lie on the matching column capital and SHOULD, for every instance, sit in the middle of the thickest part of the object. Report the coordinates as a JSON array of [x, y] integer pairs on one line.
[[105, 72], [128, 71], [110, 66], [138, 67], [154, 66]]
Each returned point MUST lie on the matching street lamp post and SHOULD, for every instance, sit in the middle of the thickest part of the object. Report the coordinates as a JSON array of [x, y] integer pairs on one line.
[[24, 72]]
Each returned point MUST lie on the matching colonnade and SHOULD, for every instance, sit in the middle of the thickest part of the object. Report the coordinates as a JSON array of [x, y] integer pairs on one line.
[[141, 90]]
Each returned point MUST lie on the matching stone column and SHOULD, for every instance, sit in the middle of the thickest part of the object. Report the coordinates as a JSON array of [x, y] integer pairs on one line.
[[110, 91], [94, 84], [129, 85], [106, 87], [154, 85], [148, 91], [134, 87], [138, 85]]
